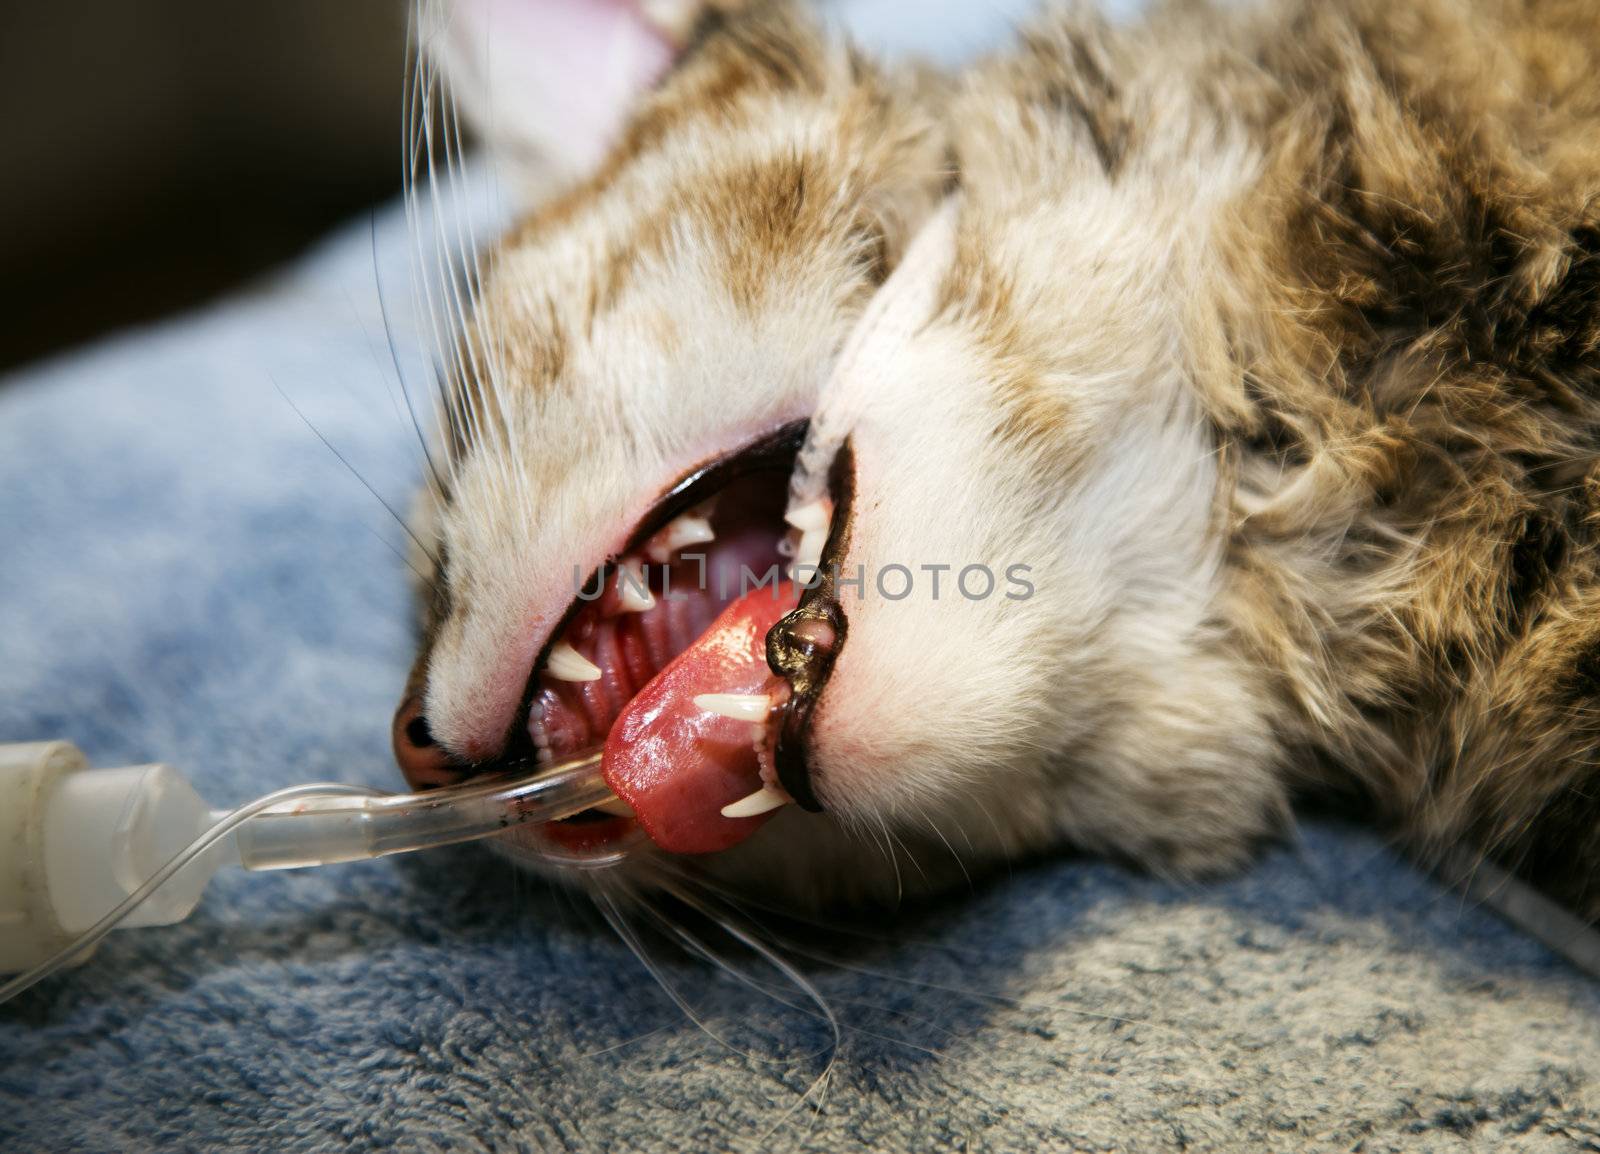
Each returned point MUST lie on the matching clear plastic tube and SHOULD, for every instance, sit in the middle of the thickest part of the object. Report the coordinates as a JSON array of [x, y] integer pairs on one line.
[[325, 823], [322, 831]]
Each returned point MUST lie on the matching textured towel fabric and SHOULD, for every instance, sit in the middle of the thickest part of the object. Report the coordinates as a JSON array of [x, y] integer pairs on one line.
[[190, 575]]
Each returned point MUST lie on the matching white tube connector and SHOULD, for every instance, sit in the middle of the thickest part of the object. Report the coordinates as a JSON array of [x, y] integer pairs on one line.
[[75, 842], [84, 851]]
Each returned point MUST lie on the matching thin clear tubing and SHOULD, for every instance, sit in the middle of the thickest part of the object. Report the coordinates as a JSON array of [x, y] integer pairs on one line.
[[309, 825], [327, 830]]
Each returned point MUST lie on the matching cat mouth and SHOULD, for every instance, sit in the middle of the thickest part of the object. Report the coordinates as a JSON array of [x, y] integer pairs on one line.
[[693, 659]]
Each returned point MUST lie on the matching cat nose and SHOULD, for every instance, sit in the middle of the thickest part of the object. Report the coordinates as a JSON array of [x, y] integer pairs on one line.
[[422, 760]]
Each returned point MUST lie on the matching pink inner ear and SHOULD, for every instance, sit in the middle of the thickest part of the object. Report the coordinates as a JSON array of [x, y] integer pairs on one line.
[[581, 63]]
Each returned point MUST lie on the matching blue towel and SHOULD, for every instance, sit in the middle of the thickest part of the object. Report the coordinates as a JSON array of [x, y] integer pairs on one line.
[[190, 575]]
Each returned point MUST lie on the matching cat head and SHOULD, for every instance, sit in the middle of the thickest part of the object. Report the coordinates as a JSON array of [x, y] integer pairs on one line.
[[646, 342], [980, 448]]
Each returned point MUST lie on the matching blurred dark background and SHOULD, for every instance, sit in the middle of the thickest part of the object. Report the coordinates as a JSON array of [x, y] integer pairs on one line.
[[160, 151]]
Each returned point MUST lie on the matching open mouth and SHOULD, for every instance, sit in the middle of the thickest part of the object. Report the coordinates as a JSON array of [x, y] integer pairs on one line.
[[691, 661]]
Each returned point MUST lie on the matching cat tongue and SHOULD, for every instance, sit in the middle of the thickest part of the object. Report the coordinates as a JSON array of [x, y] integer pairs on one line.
[[676, 764]]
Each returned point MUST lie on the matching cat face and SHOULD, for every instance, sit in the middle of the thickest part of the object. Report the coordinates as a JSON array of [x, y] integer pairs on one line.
[[645, 350], [689, 366]]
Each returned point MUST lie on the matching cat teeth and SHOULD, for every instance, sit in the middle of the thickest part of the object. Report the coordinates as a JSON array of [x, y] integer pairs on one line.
[[764, 800], [567, 664], [808, 553], [633, 595], [540, 734], [615, 806], [809, 518], [692, 528], [739, 706], [810, 524]]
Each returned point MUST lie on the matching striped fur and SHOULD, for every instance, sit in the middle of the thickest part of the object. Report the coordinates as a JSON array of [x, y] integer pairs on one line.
[[1270, 339]]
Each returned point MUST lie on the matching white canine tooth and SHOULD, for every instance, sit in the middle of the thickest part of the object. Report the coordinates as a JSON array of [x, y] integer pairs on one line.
[[615, 805], [808, 518], [761, 801], [739, 706], [689, 529], [633, 595], [809, 551], [567, 664]]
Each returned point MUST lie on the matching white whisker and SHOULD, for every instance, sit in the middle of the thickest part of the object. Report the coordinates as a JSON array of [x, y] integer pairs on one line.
[[613, 914], [354, 472], [961, 865], [800, 981]]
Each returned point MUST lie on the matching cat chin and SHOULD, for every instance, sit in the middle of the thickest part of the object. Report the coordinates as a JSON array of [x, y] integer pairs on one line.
[[810, 863]]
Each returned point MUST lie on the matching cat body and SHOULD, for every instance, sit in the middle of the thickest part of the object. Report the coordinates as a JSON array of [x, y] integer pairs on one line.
[[1254, 351]]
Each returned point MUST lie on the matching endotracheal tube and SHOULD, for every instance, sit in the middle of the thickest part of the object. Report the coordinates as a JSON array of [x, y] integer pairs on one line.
[[84, 851]]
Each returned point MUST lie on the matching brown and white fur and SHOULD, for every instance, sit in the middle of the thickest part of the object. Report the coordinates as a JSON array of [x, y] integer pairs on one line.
[[1268, 337]]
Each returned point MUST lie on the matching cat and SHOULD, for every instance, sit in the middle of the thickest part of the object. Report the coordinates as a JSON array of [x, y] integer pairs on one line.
[[1235, 369]]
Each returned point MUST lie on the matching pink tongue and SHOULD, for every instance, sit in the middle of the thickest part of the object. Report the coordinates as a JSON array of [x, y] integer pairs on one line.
[[678, 765]]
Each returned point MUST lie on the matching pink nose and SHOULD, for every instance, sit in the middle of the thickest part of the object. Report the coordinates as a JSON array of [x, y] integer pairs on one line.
[[423, 761]]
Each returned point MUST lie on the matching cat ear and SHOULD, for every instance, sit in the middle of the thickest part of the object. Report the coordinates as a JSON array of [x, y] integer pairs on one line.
[[547, 84]]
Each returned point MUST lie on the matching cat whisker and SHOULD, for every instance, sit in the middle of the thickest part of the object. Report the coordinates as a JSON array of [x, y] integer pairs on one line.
[[427, 581], [915, 864], [939, 833], [356, 473], [1000, 838], [720, 919], [872, 829], [612, 912], [972, 993], [694, 945], [801, 983], [614, 915], [431, 474], [417, 82], [743, 900]]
